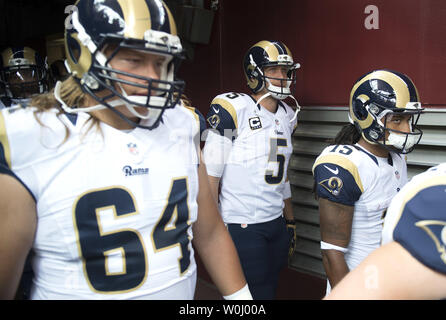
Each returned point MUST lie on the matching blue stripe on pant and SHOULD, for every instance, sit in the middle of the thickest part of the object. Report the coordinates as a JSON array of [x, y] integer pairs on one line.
[[263, 252]]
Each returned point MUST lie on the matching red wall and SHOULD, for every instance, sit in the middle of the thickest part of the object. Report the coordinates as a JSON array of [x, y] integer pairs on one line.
[[330, 41]]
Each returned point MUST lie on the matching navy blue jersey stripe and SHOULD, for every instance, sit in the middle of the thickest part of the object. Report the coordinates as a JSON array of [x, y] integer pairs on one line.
[[202, 121], [3, 161], [255, 101], [369, 154], [420, 227], [72, 117], [5, 170], [390, 159], [221, 120], [337, 187], [281, 105]]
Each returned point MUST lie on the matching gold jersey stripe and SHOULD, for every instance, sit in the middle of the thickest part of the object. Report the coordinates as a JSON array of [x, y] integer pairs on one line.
[[192, 110], [4, 141], [228, 107], [342, 162]]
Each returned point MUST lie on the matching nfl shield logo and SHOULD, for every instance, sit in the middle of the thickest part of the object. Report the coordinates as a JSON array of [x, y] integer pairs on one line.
[[133, 148]]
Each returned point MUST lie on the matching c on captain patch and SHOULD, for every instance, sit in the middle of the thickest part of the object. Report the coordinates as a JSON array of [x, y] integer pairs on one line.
[[333, 185], [255, 123]]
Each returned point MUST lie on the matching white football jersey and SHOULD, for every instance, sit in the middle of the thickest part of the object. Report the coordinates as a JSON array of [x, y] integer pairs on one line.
[[416, 218], [114, 209], [350, 175], [255, 168]]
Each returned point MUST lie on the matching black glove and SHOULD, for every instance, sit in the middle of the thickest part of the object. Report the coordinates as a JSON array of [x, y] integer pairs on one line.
[[291, 228]]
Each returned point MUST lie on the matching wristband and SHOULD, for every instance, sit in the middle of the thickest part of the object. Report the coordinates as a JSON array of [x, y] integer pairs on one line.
[[329, 246], [242, 294]]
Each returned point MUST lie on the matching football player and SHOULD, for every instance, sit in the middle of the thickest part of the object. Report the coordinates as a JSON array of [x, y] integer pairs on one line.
[[411, 264], [358, 175], [103, 184], [23, 74], [247, 151]]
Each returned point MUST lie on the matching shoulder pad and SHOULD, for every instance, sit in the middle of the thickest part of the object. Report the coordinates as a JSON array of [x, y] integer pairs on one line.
[[339, 156], [336, 184], [421, 227], [222, 113], [337, 178]]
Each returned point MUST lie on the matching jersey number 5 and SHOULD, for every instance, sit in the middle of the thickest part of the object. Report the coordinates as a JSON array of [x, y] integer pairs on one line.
[[274, 156], [96, 245]]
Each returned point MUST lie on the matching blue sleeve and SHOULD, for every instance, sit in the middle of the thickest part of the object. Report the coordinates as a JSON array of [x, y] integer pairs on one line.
[[421, 229], [336, 184], [3, 161], [221, 120]]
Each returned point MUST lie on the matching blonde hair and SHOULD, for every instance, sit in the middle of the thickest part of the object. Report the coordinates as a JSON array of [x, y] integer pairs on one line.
[[73, 96], [71, 93]]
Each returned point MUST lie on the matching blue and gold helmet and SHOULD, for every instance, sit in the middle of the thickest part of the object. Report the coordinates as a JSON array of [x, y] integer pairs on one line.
[[378, 94], [143, 25], [23, 72], [264, 54]]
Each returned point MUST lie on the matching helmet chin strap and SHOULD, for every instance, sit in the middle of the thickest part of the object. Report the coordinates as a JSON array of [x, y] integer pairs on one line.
[[68, 109], [297, 104], [263, 97], [152, 114], [297, 108], [137, 99], [113, 104]]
